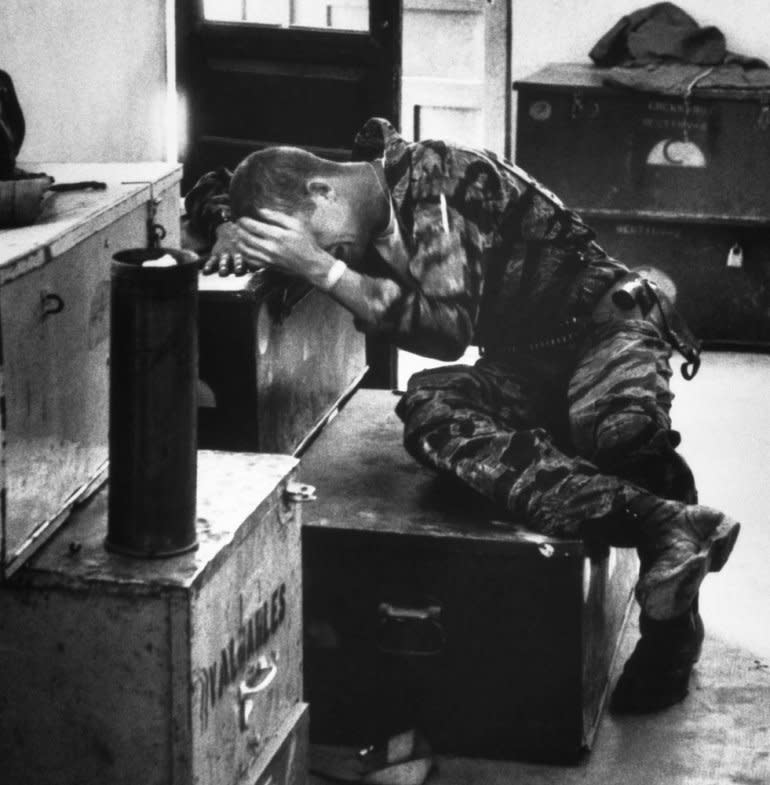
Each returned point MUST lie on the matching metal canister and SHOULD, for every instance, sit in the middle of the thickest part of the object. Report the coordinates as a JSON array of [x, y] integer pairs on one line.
[[153, 406]]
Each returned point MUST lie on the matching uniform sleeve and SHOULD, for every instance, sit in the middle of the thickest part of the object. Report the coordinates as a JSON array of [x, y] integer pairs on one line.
[[207, 204], [436, 311], [437, 316], [433, 313]]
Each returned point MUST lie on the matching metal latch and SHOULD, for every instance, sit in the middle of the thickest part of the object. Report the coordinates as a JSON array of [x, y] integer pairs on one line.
[[300, 492], [156, 232]]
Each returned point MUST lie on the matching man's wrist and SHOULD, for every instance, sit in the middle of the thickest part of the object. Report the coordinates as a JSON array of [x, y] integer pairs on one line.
[[225, 224], [331, 275], [221, 218]]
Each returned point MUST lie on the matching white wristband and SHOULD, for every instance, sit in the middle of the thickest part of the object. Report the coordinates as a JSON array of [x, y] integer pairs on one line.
[[336, 271]]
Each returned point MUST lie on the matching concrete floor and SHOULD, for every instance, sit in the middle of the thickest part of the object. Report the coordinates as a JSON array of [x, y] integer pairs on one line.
[[721, 733]]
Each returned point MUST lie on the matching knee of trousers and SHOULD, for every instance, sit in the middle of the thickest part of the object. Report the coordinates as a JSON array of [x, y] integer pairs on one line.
[[421, 407], [642, 337], [425, 415], [436, 395], [625, 432], [624, 424], [652, 462]]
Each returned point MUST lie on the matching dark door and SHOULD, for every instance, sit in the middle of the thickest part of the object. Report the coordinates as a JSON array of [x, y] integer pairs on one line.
[[303, 72], [309, 73]]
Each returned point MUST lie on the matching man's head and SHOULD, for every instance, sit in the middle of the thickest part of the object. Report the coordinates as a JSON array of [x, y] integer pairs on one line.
[[340, 203]]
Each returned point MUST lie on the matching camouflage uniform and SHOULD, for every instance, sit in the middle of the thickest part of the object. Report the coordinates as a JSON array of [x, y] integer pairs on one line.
[[562, 419]]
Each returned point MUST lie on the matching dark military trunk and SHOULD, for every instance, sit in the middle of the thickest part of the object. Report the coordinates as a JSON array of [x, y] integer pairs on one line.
[[419, 611]]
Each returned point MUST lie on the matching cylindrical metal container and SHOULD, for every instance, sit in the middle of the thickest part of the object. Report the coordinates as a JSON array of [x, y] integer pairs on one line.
[[153, 406]]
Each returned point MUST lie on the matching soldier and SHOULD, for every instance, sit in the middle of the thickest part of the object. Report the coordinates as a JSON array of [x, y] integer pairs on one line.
[[564, 422]]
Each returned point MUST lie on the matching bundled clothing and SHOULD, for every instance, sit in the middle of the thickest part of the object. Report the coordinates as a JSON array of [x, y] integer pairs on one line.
[[664, 33], [661, 49]]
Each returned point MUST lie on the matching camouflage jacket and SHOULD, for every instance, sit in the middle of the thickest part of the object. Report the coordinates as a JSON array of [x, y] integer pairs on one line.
[[516, 266]]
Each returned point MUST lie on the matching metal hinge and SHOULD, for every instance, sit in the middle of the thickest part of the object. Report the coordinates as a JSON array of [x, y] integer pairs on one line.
[[300, 492]]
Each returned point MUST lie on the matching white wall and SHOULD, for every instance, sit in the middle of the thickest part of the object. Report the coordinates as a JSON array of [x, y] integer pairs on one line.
[[547, 31], [91, 76]]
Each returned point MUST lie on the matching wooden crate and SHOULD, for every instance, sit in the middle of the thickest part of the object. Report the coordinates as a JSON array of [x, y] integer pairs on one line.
[[54, 326], [276, 357], [287, 754], [420, 610], [609, 149], [124, 671]]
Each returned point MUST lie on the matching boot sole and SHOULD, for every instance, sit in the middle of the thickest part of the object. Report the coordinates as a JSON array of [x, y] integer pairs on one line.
[[674, 594]]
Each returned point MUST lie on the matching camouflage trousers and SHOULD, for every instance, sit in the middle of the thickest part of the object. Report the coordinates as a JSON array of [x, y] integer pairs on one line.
[[556, 438]]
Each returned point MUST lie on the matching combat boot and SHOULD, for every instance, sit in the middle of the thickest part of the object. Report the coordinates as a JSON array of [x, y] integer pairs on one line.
[[657, 674], [678, 544]]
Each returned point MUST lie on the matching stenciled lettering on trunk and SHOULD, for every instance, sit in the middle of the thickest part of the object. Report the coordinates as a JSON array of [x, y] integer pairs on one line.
[[212, 681]]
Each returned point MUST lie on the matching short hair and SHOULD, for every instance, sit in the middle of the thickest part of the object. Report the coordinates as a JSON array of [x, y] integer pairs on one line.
[[276, 178]]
